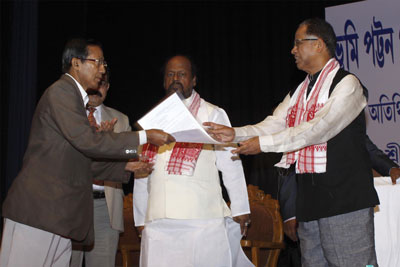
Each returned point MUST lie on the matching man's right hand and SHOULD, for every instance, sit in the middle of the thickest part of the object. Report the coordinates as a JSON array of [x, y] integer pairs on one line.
[[394, 174], [159, 137], [139, 167], [220, 132], [290, 229]]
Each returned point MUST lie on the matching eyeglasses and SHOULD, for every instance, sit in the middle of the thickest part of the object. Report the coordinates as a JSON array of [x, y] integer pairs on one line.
[[297, 42], [98, 61]]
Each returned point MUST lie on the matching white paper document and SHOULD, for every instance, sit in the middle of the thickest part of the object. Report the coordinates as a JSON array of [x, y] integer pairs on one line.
[[173, 117]]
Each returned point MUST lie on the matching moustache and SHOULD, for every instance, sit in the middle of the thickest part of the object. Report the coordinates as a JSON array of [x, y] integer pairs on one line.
[[175, 86], [94, 92]]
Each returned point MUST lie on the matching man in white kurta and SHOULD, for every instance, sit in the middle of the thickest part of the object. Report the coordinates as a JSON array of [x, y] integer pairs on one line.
[[321, 129], [184, 215]]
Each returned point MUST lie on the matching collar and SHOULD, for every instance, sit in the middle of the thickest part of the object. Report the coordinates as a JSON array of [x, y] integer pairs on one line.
[[98, 113], [189, 100], [100, 109], [313, 78], [85, 97]]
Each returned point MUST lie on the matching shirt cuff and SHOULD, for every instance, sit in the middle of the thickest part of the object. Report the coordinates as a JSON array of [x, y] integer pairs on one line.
[[265, 142], [291, 218], [241, 213], [142, 137], [240, 135]]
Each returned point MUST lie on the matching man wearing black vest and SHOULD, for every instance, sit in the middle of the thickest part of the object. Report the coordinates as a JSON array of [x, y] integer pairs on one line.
[[287, 192], [321, 129]]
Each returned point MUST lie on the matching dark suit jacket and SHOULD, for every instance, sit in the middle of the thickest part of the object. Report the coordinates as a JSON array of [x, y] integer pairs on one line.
[[287, 194], [53, 190]]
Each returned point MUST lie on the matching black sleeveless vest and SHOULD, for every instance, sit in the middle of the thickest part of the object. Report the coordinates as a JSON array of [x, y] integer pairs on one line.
[[347, 185]]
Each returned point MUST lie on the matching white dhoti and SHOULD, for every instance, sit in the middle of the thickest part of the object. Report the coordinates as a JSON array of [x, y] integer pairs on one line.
[[23, 245], [194, 243]]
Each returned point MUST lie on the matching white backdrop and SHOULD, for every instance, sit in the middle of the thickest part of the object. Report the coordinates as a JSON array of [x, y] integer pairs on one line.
[[368, 36]]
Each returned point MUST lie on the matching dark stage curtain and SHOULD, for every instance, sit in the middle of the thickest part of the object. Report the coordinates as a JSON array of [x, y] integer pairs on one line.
[[4, 71], [19, 83]]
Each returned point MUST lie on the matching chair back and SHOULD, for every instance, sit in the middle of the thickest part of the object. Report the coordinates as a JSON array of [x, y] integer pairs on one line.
[[264, 239]]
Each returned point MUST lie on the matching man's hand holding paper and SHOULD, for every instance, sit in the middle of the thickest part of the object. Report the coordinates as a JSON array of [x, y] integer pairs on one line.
[[224, 133], [220, 132], [172, 116], [158, 137]]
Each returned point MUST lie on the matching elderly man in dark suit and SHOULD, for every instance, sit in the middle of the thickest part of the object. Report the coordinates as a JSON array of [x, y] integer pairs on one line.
[[50, 202]]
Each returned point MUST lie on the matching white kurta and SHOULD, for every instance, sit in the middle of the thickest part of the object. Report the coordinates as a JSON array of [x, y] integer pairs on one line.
[[342, 107], [195, 203]]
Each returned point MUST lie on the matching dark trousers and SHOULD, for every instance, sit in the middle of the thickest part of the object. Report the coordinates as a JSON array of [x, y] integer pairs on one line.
[[291, 255]]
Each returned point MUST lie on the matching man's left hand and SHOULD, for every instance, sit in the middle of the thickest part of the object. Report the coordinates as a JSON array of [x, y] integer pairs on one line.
[[249, 147], [244, 221], [290, 229], [394, 174]]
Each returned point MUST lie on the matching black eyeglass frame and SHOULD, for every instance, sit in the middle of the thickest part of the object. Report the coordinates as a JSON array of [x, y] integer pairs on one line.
[[299, 41]]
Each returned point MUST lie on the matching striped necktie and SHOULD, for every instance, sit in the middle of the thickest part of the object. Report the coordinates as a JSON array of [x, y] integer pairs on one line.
[[91, 118], [92, 122]]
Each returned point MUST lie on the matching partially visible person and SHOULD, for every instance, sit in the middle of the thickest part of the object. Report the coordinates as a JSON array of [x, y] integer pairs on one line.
[[382, 163], [107, 195], [321, 129], [50, 202], [186, 220], [287, 194]]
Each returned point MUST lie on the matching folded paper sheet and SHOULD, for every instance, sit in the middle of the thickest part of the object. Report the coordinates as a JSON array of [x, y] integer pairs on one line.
[[173, 117]]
